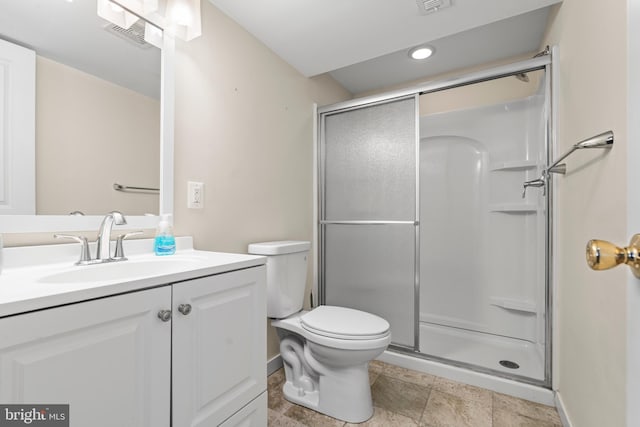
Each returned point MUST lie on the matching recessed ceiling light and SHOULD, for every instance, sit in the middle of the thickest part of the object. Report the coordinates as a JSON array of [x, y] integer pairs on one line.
[[420, 53]]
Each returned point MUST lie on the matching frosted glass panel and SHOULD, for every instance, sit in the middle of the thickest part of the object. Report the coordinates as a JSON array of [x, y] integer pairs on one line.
[[371, 268], [370, 158]]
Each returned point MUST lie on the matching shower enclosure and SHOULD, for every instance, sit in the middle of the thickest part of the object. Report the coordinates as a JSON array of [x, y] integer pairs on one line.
[[423, 219]]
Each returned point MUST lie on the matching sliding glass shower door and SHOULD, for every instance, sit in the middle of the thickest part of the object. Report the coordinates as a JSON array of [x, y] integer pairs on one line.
[[368, 213]]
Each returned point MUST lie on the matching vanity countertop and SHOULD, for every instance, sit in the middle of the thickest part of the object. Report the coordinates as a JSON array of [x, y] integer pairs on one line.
[[40, 277]]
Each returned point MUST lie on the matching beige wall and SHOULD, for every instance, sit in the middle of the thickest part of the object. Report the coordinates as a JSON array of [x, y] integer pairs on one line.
[[244, 128], [591, 203], [91, 133]]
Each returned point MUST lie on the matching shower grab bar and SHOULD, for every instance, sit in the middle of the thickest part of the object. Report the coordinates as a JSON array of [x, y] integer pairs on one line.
[[127, 188], [322, 222], [603, 140]]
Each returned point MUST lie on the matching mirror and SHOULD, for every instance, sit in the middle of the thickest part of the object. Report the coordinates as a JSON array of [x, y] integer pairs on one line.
[[99, 116]]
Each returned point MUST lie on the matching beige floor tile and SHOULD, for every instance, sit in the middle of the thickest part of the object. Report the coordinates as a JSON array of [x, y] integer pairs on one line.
[[408, 375], [447, 410], [373, 376], [535, 411], [463, 391], [276, 419], [276, 400], [384, 418], [502, 418], [401, 397], [276, 378], [311, 418], [377, 366]]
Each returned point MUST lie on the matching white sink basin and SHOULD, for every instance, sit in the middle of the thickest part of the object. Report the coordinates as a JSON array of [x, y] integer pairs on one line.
[[40, 277], [123, 270]]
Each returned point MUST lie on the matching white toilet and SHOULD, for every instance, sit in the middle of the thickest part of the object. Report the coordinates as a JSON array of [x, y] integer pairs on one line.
[[325, 351]]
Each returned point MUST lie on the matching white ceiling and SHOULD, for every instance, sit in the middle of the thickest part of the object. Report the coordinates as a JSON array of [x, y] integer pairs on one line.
[[364, 42], [73, 34]]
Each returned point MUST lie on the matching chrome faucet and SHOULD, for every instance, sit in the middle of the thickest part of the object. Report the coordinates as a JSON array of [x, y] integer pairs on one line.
[[103, 244], [103, 251]]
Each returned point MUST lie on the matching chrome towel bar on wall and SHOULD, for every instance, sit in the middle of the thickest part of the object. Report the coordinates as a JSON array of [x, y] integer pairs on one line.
[[127, 188], [603, 140]]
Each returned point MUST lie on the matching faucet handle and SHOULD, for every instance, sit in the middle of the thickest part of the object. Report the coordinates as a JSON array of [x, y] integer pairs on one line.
[[119, 255], [85, 255]]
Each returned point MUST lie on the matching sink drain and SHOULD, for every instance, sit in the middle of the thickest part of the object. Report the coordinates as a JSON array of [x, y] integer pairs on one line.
[[509, 364]]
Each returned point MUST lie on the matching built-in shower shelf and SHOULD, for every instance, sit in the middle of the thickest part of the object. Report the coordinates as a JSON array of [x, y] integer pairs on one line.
[[513, 207], [514, 304], [516, 165]]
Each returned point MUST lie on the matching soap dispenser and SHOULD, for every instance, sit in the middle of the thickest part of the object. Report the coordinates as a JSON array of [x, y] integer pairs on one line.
[[165, 242]]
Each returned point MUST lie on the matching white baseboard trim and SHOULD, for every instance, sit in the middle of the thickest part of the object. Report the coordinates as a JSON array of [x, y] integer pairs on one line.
[[561, 411], [274, 364]]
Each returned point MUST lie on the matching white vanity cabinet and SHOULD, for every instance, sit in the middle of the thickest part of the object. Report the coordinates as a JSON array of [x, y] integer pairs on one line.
[[109, 359], [219, 348], [118, 364]]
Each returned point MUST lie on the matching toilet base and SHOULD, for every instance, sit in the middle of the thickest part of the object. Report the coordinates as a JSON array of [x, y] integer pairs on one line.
[[344, 395]]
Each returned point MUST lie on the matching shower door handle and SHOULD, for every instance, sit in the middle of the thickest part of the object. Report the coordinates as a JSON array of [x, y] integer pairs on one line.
[[603, 255]]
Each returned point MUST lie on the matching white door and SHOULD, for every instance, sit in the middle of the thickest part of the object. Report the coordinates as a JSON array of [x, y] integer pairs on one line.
[[17, 129], [109, 359], [633, 211], [219, 346]]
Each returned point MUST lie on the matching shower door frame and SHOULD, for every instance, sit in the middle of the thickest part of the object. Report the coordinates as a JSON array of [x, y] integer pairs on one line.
[[534, 64]]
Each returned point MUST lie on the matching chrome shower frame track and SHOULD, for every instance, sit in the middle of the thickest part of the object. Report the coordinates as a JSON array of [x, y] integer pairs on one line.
[[534, 64]]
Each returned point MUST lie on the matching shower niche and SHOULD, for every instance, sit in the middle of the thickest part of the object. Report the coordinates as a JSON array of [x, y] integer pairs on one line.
[[423, 220]]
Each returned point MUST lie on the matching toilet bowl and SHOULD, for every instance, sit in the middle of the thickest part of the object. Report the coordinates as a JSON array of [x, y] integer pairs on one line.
[[325, 351]]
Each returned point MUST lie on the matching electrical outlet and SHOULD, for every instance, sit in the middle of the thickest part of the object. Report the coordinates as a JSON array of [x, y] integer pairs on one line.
[[195, 195]]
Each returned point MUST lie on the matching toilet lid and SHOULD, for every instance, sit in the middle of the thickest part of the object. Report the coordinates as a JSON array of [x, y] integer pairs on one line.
[[344, 323]]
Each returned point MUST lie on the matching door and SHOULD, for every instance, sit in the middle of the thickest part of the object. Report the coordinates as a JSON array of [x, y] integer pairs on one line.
[[633, 219], [368, 226], [17, 129], [109, 359], [219, 346]]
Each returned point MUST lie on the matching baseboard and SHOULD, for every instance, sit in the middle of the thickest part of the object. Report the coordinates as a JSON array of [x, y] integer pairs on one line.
[[561, 411], [274, 364]]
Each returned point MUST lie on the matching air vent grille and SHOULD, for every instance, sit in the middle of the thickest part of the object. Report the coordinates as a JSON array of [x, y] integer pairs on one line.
[[134, 34], [431, 6]]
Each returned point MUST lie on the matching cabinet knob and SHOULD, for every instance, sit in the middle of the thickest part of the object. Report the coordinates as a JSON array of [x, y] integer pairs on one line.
[[184, 308], [602, 255], [164, 315]]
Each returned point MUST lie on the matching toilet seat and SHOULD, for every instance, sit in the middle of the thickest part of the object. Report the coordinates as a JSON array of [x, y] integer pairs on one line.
[[293, 324], [344, 323]]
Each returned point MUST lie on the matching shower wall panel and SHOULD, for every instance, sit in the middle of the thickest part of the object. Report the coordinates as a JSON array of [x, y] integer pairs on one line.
[[481, 243]]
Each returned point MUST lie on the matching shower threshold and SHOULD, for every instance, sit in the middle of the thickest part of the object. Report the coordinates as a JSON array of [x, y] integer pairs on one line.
[[482, 349]]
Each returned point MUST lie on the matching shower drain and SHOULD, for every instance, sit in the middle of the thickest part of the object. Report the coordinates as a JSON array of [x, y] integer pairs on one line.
[[509, 364]]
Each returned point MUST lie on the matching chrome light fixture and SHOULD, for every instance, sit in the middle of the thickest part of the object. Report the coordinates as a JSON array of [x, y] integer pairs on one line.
[[180, 18]]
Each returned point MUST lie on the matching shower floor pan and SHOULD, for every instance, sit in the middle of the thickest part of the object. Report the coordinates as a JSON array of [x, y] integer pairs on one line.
[[481, 349]]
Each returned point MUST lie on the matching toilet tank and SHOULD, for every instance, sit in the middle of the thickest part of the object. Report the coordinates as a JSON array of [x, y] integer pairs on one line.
[[286, 275]]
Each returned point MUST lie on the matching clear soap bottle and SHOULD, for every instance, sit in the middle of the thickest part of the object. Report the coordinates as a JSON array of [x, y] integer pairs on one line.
[[165, 242]]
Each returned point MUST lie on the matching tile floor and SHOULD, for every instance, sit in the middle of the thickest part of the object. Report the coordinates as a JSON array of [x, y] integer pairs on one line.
[[402, 397]]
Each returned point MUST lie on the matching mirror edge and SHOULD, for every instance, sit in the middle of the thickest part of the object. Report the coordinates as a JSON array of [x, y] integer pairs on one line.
[[52, 223]]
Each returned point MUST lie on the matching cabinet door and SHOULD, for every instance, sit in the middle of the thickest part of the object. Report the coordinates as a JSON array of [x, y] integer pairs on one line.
[[109, 359], [252, 415], [219, 348]]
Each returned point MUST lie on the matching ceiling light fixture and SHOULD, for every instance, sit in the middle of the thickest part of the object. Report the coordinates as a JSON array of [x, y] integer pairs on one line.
[[178, 17], [420, 53]]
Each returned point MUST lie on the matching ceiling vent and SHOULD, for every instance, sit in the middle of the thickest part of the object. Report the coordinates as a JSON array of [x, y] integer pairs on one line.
[[134, 34], [430, 6]]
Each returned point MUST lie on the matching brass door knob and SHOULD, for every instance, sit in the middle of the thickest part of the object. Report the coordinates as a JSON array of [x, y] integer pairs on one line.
[[603, 255]]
